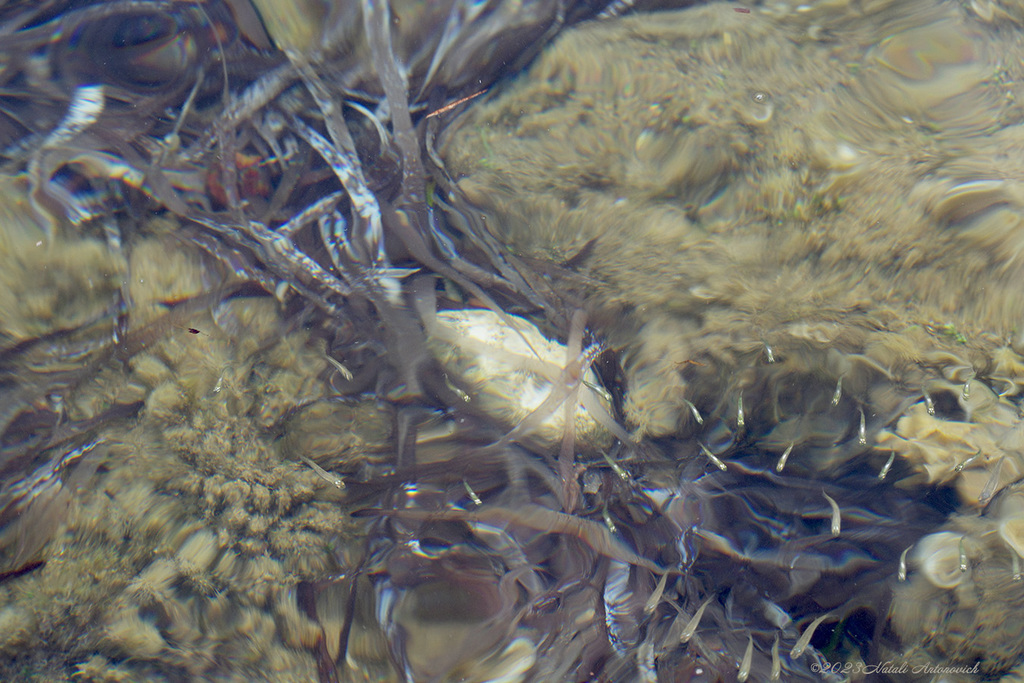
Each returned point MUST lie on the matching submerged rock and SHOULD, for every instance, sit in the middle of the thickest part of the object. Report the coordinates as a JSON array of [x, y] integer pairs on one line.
[[518, 377], [794, 224], [963, 597], [47, 286], [801, 227], [737, 183]]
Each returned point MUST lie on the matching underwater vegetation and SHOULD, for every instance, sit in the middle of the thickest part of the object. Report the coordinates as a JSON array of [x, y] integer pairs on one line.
[[797, 228], [333, 347]]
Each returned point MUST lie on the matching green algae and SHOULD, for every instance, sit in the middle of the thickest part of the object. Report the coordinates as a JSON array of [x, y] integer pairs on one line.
[[181, 555], [716, 224], [810, 213]]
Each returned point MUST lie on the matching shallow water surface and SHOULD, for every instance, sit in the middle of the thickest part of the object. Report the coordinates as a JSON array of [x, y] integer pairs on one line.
[[489, 342]]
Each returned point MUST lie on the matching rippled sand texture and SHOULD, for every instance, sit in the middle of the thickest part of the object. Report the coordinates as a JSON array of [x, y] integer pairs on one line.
[[829, 177], [789, 211]]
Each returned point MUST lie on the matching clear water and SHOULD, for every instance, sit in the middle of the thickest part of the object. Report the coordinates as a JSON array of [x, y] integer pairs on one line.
[[687, 347]]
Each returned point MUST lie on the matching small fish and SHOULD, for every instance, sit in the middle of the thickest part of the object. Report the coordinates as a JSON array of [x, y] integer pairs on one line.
[[748, 658], [768, 352], [839, 391], [608, 521], [694, 411], [963, 554], [785, 456], [655, 598], [888, 464], [901, 574], [992, 483], [691, 626], [1015, 564], [599, 390], [331, 479], [712, 457], [929, 404], [966, 393], [457, 391], [776, 661], [960, 467], [740, 419], [616, 467], [836, 518], [345, 372], [805, 639], [862, 434], [471, 493]]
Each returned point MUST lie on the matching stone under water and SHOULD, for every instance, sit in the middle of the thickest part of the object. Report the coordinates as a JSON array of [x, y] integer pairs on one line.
[[802, 225]]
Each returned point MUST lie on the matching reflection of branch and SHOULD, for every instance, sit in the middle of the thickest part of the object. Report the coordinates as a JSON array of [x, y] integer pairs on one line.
[[377, 21], [537, 518], [34, 506]]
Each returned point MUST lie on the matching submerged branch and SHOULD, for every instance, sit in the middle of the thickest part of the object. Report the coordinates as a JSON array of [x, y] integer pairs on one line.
[[377, 21]]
